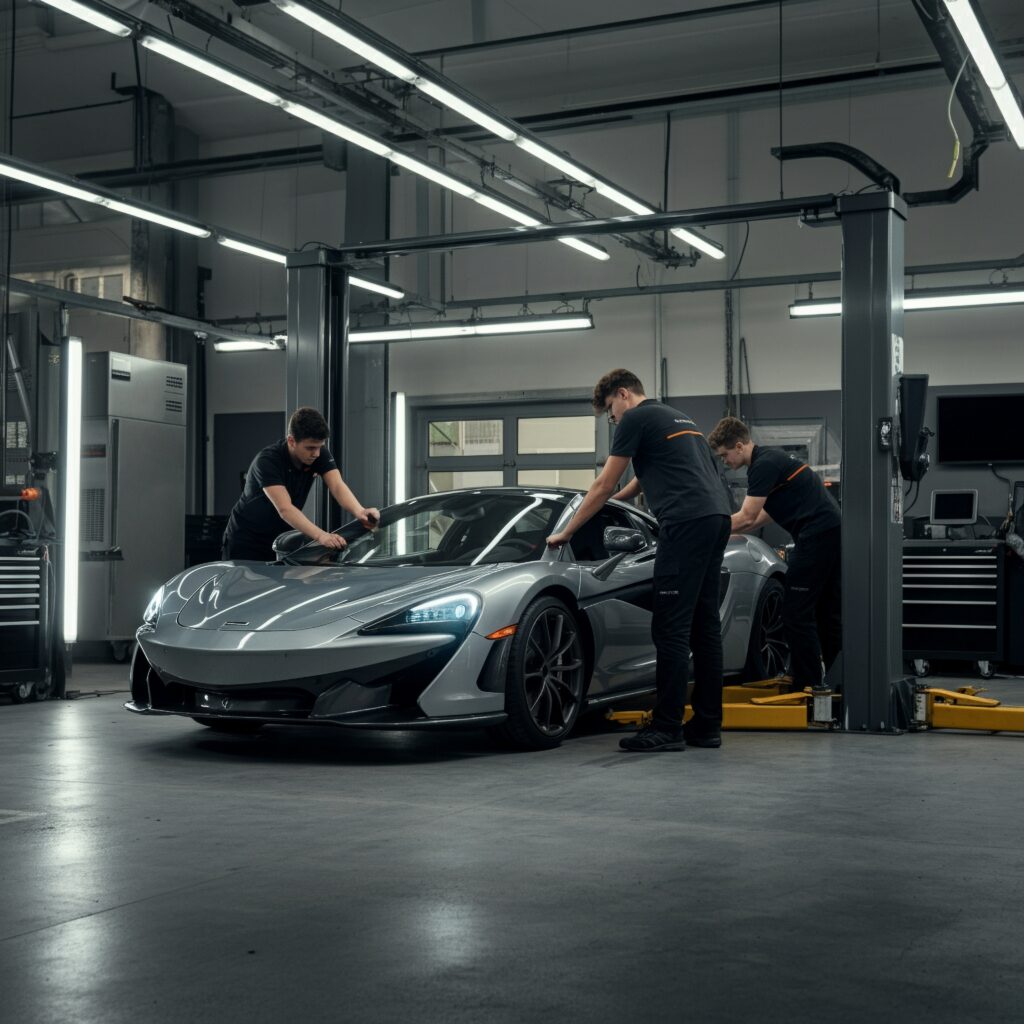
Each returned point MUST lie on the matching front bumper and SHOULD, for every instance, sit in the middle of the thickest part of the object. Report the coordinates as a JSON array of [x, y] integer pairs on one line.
[[382, 682]]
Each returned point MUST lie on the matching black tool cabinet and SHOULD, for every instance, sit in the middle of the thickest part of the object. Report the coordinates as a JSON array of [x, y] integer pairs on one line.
[[953, 602]]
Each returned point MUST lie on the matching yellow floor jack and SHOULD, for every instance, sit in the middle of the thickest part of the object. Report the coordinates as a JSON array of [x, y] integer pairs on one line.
[[766, 704], [773, 704]]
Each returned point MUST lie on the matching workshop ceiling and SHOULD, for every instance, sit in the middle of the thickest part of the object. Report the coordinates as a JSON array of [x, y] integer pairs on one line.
[[565, 78]]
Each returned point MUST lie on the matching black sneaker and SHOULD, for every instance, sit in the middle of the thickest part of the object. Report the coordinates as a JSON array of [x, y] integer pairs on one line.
[[650, 739], [702, 739]]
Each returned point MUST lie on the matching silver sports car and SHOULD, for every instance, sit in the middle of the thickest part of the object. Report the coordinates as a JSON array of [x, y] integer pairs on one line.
[[452, 613]]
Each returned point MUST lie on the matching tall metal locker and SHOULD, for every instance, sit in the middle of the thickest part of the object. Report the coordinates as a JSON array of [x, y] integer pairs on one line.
[[133, 490]]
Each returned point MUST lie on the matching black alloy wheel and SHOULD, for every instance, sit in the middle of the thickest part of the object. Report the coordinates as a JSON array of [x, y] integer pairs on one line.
[[767, 650], [547, 676]]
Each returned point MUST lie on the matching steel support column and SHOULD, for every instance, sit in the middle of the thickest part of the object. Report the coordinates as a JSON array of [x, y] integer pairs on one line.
[[872, 296], [317, 359]]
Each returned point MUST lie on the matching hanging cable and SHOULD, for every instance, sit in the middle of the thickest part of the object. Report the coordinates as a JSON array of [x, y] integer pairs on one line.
[[781, 162], [949, 117], [743, 251]]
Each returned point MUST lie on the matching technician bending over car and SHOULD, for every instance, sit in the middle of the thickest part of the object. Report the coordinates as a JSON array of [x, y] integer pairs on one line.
[[782, 488], [676, 470], [276, 487]]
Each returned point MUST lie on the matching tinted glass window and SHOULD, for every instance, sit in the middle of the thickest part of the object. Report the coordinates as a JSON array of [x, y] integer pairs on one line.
[[588, 543]]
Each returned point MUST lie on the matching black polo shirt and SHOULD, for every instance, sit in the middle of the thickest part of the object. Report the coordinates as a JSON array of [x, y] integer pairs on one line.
[[673, 462], [254, 520], [796, 497]]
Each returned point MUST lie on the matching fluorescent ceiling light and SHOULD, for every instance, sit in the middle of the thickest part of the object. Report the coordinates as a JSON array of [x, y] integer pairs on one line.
[[342, 131], [93, 17], [434, 174], [376, 286], [252, 250], [924, 299], [141, 213], [347, 39], [966, 19], [257, 343], [506, 210], [448, 99], [553, 159], [71, 489], [597, 251], [211, 70], [705, 245], [476, 328], [50, 184]]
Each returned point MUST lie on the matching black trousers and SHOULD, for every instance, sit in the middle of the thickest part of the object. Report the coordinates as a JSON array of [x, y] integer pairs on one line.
[[246, 551], [811, 607], [686, 617]]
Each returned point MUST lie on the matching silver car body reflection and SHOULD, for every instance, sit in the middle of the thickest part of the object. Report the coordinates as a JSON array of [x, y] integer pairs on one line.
[[397, 631]]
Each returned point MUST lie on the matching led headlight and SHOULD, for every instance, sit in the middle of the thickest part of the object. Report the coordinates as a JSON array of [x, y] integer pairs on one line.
[[453, 613], [153, 608]]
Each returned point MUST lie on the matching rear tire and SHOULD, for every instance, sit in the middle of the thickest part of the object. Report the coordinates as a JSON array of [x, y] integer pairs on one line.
[[547, 677], [767, 650], [235, 726]]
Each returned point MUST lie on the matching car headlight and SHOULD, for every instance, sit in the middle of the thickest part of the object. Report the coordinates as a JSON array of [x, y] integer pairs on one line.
[[453, 613], [153, 608]]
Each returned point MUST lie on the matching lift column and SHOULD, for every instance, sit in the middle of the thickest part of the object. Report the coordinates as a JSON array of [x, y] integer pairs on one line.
[[874, 689]]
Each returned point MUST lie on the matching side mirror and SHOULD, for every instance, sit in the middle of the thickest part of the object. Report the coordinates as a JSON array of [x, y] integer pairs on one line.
[[622, 538], [289, 541], [622, 541]]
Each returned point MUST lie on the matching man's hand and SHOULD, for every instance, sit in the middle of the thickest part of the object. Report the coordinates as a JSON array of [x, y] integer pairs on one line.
[[369, 517], [330, 540], [556, 540]]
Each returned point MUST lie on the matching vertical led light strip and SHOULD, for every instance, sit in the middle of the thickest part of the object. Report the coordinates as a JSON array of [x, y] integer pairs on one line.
[[398, 465], [72, 485]]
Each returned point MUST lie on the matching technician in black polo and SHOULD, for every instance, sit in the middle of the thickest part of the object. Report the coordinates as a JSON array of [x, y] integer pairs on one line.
[[276, 487], [677, 472], [783, 489]]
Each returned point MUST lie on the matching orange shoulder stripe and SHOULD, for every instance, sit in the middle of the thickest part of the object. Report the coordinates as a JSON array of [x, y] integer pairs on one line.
[[681, 432]]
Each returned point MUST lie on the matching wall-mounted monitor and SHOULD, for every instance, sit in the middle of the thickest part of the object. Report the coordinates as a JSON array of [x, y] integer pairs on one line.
[[980, 428], [954, 508]]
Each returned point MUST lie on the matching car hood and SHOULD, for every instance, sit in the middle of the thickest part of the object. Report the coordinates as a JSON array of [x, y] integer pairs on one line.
[[287, 597]]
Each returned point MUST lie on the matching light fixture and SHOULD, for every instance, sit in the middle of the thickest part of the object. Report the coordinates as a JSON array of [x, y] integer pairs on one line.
[[211, 69], [372, 48], [923, 299], [337, 128], [376, 286], [253, 250], [75, 189], [250, 343], [534, 324], [398, 451], [975, 39], [95, 18], [71, 490]]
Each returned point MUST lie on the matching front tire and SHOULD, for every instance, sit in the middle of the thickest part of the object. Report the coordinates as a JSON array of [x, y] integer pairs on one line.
[[767, 650], [235, 726], [547, 677]]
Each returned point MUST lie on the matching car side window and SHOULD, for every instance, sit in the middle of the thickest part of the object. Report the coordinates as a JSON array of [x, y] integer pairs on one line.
[[650, 533], [587, 543]]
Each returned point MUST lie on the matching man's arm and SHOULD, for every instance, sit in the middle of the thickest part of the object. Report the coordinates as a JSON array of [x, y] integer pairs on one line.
[[342, 494], [282, 502], [599, 493], [750, 516], [631, 490]]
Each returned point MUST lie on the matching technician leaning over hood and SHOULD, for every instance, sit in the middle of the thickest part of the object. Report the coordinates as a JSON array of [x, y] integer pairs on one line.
[[277, 485], [677, 473]]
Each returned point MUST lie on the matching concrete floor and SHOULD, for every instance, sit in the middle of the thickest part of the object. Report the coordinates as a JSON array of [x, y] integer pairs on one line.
[[154, 871]]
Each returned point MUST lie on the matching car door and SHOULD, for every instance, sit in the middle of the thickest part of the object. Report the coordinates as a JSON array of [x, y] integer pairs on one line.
[[617, 608]]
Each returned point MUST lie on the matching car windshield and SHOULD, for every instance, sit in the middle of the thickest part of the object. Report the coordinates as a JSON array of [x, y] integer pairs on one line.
[[461, 528]]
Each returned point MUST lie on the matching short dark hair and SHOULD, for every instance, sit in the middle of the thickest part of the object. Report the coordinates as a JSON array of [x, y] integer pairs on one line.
[[306, 424], [728, 433], [612, 381]]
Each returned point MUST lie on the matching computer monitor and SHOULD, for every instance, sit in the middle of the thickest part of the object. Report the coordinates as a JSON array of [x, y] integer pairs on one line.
[[954, 508]]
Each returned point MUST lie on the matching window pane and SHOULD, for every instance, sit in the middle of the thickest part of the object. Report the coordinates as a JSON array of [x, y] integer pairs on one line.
[[454, 481], [112, 287], [90, 286], [550, 435], [576, 478], [465, 437], [588, 541]]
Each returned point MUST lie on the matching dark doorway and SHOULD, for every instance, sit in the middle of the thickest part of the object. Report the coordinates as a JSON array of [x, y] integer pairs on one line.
[[237, 437]]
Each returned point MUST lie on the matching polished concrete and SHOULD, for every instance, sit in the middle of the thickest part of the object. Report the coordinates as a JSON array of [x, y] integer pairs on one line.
[[154, 871]]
